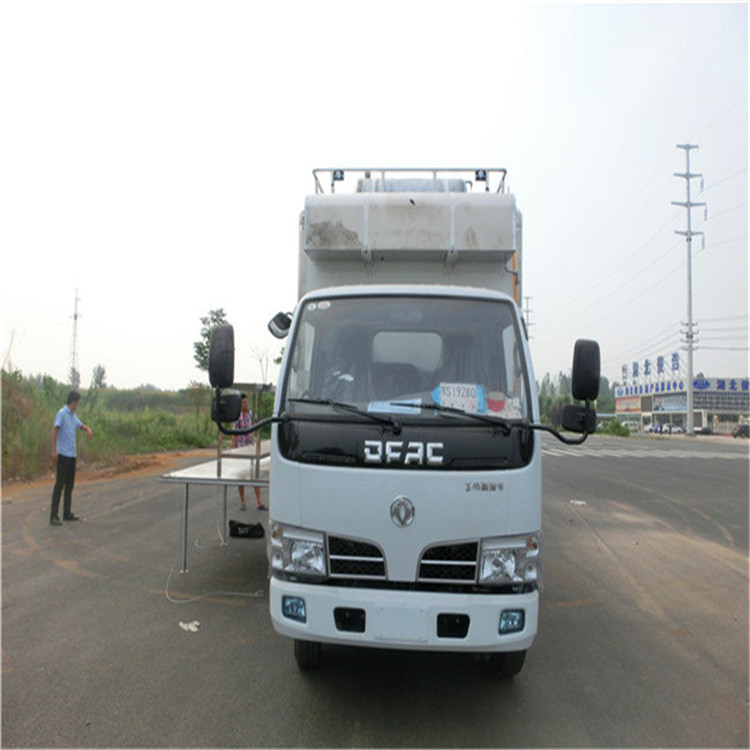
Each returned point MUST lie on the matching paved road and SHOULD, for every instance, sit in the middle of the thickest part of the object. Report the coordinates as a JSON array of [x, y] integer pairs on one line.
[[643, 635]]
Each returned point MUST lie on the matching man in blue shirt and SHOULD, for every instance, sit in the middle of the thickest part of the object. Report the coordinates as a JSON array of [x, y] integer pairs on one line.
[[64, 432]]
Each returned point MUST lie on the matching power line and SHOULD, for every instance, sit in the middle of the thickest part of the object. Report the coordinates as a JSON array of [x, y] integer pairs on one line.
[[703, 131], [714, 245], [639, 197], [629, 280], [638, 353], [728, 210], [654, 341], [640, 294], [651, 354], [625, 283], [627, 262], [712, 185], [727, 129], [723, 320]]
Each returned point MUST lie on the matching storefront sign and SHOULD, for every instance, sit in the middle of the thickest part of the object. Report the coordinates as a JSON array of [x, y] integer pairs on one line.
[[669, 386], [670, 402], [705, 385], [628, 405]]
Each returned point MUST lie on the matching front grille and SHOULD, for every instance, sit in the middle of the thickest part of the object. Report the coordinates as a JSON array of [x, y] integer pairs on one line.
[[449, 563], [440, 567], [349, 558]]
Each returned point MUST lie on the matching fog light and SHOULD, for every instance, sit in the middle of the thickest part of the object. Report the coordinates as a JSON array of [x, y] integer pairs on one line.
[[294, 608], [511, 621]]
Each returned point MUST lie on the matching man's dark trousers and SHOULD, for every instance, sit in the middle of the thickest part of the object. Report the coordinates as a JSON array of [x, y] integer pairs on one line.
[[66, 474]]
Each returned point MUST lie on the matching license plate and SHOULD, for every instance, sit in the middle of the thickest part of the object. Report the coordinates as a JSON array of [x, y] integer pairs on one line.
[[402, 624]]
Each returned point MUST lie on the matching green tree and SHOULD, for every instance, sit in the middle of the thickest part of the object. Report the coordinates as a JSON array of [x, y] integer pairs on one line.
[[563, 385], [99, 377], [202, 347], [98, 384], [605, 403], [199, 394], [547, 389]]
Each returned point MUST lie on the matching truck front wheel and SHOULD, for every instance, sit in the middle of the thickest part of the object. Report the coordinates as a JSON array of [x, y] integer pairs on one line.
[[507, 664], [307, 654]]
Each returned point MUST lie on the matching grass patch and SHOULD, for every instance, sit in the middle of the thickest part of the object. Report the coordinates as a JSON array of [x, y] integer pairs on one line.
[[123, 423]]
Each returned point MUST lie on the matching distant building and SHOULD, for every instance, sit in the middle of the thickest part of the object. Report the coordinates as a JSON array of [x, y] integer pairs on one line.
[[718, 403]]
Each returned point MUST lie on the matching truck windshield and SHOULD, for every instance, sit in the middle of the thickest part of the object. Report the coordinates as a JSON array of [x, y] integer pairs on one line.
[[391, 355]]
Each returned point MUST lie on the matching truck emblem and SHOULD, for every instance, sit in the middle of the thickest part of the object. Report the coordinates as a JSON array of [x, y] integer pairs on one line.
[[402, 511], [400, 452]]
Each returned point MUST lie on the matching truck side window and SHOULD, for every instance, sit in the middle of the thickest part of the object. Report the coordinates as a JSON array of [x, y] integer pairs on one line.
[[299, 381]]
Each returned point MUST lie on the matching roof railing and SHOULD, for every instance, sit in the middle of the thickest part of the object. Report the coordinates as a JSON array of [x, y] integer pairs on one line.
[[468, 175]]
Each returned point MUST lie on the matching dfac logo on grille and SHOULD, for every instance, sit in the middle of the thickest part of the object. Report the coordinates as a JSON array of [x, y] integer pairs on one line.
[[399, 452], [402, 511]]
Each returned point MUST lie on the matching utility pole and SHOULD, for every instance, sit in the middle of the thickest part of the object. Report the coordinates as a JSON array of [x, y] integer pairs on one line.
[[75, 375], [688, 234]]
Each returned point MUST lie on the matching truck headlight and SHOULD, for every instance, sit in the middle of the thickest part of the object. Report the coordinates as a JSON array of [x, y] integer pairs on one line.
[[510, 560], [297, 553]]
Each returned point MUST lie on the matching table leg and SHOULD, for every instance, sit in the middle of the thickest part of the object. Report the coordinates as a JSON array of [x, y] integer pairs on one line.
[[224, 524], [185, 529]]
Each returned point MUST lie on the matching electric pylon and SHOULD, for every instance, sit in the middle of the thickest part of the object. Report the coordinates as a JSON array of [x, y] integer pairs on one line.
[[688, 234], [75, 375]]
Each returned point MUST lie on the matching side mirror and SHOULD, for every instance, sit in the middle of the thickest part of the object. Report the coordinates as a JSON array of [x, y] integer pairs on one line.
[[579, 418], [280, 324], [586, 370], [226, 407], [221, 357]]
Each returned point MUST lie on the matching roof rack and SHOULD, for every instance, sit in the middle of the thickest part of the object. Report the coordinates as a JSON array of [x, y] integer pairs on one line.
[[436, 179]]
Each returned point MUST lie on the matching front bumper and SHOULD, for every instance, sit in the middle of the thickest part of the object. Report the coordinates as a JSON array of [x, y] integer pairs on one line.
[[404, 619]]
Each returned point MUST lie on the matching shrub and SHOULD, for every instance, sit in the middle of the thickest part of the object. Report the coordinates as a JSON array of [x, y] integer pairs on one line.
[[123, 423], [614, 427]]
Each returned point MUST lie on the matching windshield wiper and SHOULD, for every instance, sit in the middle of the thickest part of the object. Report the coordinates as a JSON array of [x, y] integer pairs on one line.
[[505, 425], [352, 409]]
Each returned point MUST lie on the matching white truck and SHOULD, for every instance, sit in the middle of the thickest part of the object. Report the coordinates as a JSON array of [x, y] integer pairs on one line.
[[406, 461]]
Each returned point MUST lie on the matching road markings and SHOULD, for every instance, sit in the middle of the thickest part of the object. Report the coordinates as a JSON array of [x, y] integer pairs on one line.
[[628, 452]]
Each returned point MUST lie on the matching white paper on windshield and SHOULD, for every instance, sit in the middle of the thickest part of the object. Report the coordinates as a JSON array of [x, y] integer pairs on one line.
[[464, 396], [402, 406]]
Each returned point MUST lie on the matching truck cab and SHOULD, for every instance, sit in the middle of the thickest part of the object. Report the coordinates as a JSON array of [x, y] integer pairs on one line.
[[405, 492]]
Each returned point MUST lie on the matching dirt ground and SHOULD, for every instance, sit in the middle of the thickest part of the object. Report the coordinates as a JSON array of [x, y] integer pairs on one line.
[[136, 466]]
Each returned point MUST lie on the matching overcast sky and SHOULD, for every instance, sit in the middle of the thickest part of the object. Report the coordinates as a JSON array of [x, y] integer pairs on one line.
[[155, 156]]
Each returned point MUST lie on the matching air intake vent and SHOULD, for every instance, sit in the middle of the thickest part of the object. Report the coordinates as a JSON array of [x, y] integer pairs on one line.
[[353, 559], [449, 563]]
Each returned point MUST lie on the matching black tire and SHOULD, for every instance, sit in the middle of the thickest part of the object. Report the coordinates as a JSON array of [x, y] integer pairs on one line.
[[307, 654], [507, 664]]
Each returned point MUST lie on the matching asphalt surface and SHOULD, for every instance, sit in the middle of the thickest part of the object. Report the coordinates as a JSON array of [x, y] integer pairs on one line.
[[643, 629]]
